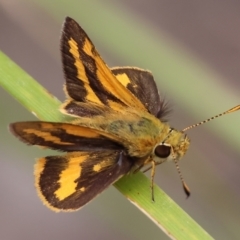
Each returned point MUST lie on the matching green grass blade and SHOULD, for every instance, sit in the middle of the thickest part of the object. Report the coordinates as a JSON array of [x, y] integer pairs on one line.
[[136, 187], [28, 92]]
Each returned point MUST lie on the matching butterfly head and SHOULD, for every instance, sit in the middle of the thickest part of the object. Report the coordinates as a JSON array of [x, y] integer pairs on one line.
[[173, 147]]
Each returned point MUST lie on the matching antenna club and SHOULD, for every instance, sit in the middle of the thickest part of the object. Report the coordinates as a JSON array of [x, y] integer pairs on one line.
[[186, 189]]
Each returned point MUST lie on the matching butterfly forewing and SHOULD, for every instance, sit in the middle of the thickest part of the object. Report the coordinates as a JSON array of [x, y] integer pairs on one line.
[[88, 78], [62, 136]]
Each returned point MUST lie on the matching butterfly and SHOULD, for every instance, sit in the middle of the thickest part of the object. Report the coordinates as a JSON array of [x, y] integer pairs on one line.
[[119, 127]]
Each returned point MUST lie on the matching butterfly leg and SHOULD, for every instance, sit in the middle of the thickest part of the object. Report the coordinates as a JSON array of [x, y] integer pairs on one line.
[[152, 178], [156, 163]]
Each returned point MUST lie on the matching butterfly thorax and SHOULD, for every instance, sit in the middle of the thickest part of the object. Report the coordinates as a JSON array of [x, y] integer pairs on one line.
[[138, 132]]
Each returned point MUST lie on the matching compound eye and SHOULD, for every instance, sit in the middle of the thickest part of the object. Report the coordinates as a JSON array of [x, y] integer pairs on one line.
[[162, 151]]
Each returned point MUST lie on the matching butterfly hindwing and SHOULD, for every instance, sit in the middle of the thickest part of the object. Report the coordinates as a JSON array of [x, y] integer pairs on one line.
[[141, 83], [88, 78], [66, 183]]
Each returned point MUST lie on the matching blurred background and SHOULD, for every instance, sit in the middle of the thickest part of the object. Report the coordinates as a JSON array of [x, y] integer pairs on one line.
[[193, 50]]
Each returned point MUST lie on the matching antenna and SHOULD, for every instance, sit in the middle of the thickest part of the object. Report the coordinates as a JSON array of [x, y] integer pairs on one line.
[[234, 109], [185, 187]]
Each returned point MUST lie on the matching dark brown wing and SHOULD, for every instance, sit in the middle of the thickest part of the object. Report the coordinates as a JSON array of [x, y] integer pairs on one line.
[[66, 183], [62, 136], [88, 78], [141, 83]]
